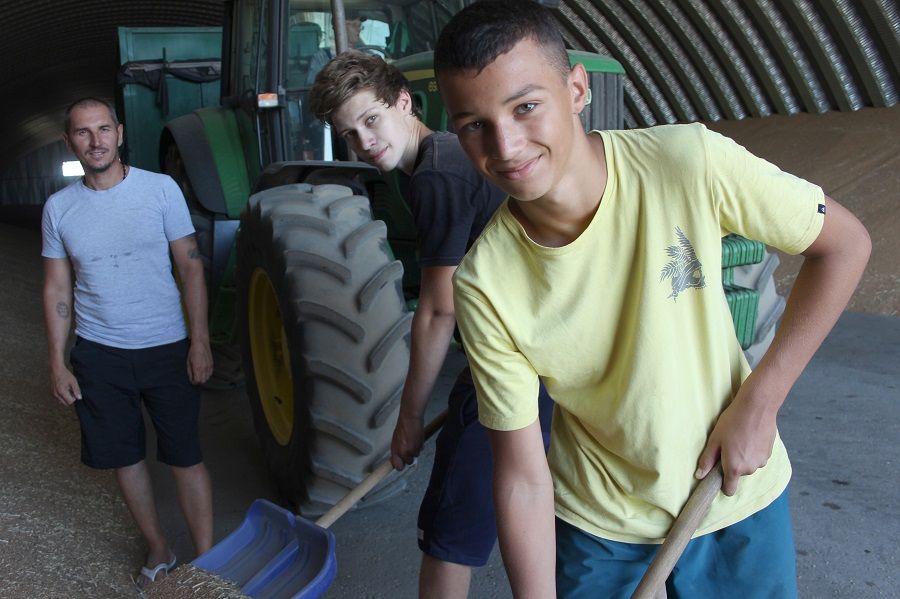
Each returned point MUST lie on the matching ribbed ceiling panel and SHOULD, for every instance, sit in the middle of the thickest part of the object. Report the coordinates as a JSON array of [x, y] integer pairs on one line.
[[728, 59], [685, 59]]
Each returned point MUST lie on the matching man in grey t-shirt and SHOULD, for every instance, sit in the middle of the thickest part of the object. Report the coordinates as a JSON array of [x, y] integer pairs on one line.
[[115, 230]]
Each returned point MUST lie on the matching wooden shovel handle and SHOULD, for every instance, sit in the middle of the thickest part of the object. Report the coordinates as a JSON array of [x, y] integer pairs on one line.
[[683, 528], [369, 482]]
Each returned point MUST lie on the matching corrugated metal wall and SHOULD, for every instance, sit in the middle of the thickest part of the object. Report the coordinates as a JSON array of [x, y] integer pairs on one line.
[[690, 60]]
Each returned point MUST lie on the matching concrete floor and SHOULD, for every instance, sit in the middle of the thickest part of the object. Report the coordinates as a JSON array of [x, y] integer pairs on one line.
[[64, 532]]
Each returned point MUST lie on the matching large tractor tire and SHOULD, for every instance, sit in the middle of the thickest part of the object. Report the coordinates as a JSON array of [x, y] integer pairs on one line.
[[227, 373], [325, 337], [761, 277]]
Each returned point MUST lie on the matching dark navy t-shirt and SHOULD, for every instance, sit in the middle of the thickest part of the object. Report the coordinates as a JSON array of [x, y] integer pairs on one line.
[[451, 202]]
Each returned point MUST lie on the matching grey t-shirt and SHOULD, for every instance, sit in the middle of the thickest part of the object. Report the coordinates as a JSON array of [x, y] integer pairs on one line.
[[117, 241]]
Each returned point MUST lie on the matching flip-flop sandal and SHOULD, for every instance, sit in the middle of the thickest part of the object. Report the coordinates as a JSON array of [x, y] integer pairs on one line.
[[150, 574]]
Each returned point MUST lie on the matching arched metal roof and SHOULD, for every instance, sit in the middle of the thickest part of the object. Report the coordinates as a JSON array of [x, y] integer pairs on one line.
[[685, 59], [708, 60], [55, 51]]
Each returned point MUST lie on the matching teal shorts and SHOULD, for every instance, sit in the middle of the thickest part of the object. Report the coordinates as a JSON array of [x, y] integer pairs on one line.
[[752, 559]]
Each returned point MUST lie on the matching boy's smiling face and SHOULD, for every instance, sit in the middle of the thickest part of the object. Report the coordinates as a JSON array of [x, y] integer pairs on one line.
[[517, 118]]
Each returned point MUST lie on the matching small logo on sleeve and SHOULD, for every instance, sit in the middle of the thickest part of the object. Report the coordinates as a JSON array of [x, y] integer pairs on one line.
[[684, 268], [821, 208]]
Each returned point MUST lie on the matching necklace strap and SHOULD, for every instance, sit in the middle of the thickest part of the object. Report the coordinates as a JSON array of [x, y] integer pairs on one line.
[[125, 170]]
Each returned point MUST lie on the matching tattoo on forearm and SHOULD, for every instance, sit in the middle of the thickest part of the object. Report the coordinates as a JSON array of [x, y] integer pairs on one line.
[[62, 308], [193, 252]]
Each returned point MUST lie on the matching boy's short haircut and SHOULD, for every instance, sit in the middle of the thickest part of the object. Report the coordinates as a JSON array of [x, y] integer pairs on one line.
[[352, 72], [482, 31]]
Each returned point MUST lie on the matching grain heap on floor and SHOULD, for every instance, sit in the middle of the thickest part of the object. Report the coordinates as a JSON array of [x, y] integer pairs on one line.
[[190, 582]]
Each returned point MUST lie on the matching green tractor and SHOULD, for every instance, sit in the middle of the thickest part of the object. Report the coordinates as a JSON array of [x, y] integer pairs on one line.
[[311, 254]]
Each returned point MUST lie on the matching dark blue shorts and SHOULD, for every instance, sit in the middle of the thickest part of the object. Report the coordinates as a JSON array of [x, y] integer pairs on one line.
[[113, 383], [456, 519], [752, 559]]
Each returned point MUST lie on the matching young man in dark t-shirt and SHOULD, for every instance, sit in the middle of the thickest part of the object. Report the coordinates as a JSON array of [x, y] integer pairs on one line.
[[368, 102]]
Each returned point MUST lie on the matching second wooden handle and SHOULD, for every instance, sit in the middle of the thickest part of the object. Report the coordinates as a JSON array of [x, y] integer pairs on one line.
[[369, 482], [683, 529]]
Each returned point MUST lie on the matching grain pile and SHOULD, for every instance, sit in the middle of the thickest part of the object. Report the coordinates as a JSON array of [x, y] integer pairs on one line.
[[190, 582], [855, 157]]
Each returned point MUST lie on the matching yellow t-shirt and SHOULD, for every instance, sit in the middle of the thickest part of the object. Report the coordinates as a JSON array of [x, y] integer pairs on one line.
[[629, 328]]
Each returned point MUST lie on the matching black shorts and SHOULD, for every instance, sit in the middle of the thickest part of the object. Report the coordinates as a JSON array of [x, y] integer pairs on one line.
[[113, 382], [456, 519]]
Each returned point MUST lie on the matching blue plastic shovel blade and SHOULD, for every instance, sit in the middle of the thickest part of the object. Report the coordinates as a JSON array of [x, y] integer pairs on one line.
[[274, 554]]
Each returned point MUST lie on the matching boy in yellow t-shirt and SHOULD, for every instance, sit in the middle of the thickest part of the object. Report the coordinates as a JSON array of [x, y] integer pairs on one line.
[[601, 277]]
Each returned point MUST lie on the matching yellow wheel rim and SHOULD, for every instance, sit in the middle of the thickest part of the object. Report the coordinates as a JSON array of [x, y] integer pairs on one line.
[[271, 358]]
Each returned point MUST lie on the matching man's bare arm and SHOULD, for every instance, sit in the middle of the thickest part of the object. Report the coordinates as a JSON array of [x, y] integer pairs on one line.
[[744, 435], [193, 292], [523, 502], [58, 313]]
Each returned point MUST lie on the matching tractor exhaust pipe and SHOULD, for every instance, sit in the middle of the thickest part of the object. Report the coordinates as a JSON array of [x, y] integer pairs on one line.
[[339, 22]]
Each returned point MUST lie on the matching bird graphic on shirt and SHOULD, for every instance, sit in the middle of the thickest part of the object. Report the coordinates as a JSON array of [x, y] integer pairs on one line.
[[684, 268]]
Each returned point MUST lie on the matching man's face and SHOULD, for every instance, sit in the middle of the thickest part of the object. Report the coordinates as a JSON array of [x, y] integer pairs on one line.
[[516, 119], [94, 137], [378, 133]]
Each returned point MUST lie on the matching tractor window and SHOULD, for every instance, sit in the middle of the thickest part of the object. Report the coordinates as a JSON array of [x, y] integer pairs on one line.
[[421, 24], [391, 29], [311, 40], [310, 46], [250, 37], [249, 69]]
